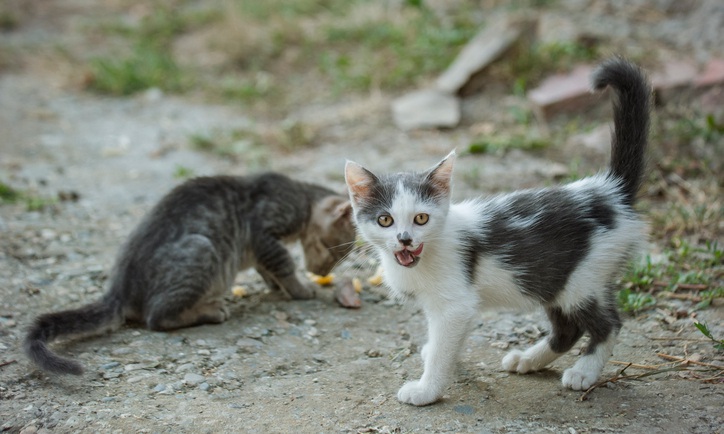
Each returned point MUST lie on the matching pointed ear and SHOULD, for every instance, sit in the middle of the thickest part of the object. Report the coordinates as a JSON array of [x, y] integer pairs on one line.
[[440, 176], [343, 211], [359, 181]]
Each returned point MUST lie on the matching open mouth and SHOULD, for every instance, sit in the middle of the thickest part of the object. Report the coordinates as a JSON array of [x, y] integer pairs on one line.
[[408, 258]]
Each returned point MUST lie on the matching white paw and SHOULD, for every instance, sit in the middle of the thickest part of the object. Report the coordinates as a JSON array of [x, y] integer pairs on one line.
[[579, 379], [416, 393], [515, 361]]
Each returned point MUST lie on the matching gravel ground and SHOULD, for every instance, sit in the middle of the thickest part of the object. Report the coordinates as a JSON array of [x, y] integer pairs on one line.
[[279, 365]]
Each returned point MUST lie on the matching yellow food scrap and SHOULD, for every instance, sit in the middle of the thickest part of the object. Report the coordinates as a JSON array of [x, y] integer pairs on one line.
[[238, 291], [357, 285], [322, 280], [376, 280]]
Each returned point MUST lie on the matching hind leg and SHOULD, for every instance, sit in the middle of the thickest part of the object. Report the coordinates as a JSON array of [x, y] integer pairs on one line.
[[189, 285], [186, 307], [603, 325], [564, 334]]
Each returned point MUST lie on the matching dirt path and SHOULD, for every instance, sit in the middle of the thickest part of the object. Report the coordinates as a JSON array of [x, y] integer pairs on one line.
[[276, 365]]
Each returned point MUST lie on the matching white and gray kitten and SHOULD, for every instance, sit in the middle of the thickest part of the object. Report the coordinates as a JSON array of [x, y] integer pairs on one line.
[[561, 248]]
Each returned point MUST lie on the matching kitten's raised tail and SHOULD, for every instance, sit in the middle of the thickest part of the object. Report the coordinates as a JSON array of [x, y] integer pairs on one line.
[[88, 319], [631, 121]]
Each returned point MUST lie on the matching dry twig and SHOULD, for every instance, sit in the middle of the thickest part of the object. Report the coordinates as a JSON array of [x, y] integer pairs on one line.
[[9, 362], [685, 361], [681, 367]]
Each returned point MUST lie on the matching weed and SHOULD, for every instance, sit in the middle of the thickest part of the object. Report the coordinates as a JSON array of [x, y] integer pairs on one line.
[[238, 145], [718, 343], [8, 21], [685, 266], [471, 177], [390, 53], [147, 66], [634, 302], [260, 85], [537, 60], [202, 142], [641, 277], [182, 172], [703, 126], [501, 144], [150, 63], [8, 194], [38, 203]]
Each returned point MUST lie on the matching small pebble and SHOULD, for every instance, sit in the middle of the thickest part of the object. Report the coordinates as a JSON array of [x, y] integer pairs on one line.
[[192, 378], [464, 409], [374, 353], [185, 367]]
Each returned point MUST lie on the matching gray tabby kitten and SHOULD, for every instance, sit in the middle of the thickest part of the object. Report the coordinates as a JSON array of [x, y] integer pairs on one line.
[[182, 259], [561, 248]]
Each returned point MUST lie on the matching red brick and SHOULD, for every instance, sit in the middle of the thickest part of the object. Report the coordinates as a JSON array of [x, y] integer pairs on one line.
[[563, 92], [712, 74], [674, 74]]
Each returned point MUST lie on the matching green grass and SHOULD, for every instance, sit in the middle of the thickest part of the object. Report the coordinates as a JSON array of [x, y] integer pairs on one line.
[[149, 63], [8, 194], [182, 172], [237, 145], [704, 329], [634, 302], [146, 67], [684, 267], [499, 144], [33, 202], [532, 63], [342, 46], [388, 53], [8, 21]]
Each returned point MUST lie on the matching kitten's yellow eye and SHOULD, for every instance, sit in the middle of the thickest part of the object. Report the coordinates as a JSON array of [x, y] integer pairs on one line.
[[384, 220], [421, 218]]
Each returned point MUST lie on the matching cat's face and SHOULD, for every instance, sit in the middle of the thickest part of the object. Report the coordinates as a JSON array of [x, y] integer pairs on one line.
[[401, 214], [329, 236]]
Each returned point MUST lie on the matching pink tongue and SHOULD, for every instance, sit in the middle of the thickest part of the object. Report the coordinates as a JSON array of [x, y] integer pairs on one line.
[[404, 257]]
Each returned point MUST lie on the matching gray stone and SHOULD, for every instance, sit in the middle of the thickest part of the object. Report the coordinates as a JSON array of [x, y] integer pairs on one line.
[[249, 345], [185, 367], [191, 378], [485, 48], [427, 108], [110, 365]]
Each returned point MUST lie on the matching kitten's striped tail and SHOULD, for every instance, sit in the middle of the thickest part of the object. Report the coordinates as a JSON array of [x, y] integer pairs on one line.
[[631, 121], [88, 319]]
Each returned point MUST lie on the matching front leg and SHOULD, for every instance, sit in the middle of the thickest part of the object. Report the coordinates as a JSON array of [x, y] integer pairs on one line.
[[277, 267], [448, 326]]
